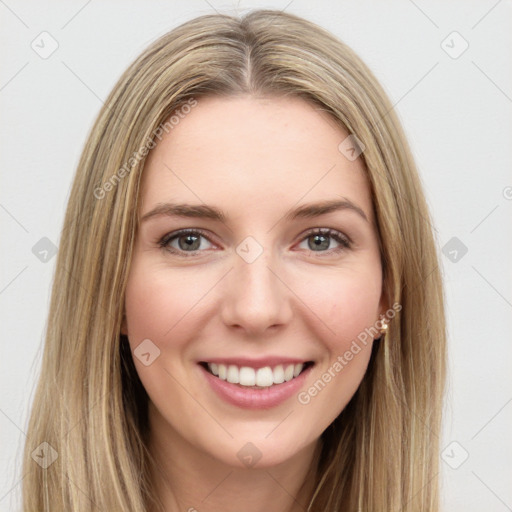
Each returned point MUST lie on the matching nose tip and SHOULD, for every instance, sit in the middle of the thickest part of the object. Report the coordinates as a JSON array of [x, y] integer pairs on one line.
[[255, 300]]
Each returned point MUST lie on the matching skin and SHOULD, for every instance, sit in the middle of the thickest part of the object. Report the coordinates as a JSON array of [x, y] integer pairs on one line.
[[255, 159]]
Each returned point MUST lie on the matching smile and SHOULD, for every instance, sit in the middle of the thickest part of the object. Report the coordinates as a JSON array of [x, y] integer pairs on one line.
[[255, 378], [251, 383]]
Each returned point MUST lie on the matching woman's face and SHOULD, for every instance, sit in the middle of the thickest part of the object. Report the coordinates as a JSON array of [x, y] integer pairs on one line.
[[256, 258]]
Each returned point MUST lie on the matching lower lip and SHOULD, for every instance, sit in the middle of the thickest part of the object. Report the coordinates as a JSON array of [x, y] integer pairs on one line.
[[249, 398]]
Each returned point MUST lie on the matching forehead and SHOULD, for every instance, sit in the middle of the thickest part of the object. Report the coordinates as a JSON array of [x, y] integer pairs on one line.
[[253, 154]]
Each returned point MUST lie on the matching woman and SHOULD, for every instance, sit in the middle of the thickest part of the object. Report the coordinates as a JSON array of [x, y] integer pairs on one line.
[[247, 311]]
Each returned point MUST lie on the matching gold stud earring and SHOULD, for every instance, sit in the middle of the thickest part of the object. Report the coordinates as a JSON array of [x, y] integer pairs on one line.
[[385, 326]]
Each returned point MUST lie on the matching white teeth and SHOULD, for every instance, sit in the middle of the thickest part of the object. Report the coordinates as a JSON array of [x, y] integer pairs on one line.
[[288, 372], [261, 377], [264, 377], [232, 375], [278, 374], [247, 376]]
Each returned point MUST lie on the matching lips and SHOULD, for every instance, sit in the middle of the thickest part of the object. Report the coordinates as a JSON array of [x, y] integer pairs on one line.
[[252, 384], [251, 376]]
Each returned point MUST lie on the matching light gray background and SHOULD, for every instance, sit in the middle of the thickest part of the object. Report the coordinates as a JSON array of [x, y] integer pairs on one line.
[[456, 112]]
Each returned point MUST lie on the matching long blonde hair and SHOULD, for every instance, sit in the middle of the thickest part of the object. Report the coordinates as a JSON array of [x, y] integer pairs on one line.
[[381, 453]]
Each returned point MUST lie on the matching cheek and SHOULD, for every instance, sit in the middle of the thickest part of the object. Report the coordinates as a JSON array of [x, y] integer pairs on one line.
[[348, 305], [160, 306], [345, 302], [158, 302]]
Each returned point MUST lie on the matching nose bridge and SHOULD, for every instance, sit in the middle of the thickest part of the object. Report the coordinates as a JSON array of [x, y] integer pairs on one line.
[[255, 298]]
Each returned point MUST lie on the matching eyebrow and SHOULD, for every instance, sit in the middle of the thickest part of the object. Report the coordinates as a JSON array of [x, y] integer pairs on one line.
[[210, 212]]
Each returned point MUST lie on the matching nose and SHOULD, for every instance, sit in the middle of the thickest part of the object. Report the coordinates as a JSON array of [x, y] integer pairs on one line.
[[255, 298]]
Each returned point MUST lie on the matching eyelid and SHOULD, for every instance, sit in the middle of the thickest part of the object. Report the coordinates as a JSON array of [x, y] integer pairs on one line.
[[327, 231]]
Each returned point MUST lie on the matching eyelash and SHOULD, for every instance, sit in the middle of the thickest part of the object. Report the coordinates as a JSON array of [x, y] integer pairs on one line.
[[343, 240]]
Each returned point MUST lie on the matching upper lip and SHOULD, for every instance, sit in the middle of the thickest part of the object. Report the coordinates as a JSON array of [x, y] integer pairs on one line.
[[255, 363]]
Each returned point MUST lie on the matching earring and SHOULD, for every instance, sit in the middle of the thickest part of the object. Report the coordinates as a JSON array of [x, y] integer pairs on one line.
[[385, 326]]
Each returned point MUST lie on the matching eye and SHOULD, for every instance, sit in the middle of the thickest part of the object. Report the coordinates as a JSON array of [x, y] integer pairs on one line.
[[189, 242], [325, 240], [185, 241]]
